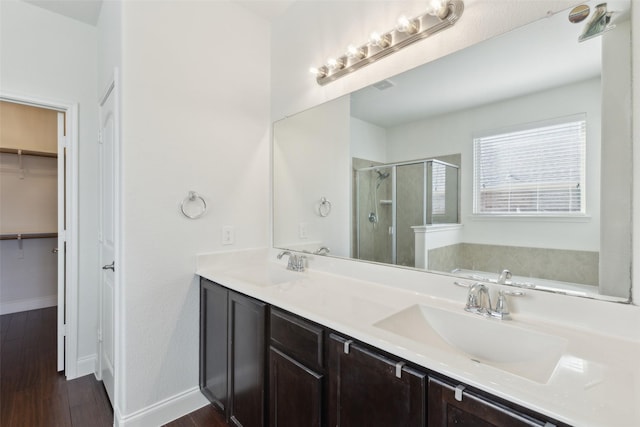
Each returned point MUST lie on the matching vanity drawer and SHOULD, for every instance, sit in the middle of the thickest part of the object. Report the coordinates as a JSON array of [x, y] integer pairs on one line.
[[298, 338]]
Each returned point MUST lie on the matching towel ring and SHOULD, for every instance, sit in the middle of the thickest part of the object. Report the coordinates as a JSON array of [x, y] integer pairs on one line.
[[193, 197], [324, 208]]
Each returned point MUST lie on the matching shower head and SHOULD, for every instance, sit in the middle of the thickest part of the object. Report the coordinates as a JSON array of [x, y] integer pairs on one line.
[[381, 175]]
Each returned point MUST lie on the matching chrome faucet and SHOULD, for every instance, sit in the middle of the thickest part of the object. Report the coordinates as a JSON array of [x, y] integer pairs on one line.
[[479, 301], [323, 250], [504, 276], [296, 262]]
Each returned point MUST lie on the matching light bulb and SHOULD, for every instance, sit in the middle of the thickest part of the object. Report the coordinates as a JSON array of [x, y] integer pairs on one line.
[[378, 40], [318, 72], [354, 52], [439, 8], [335, 64], [406, 25]]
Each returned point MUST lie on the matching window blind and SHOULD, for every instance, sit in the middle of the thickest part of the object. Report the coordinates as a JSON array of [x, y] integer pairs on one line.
[[532, 171]]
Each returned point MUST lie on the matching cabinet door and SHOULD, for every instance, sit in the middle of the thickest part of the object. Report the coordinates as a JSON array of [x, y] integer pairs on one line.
[[364, 389], [295, 397], [472, 409], [213, 343], [247, 359]]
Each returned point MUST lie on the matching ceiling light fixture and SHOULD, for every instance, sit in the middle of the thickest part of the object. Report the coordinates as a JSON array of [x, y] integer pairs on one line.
[[440, 15]]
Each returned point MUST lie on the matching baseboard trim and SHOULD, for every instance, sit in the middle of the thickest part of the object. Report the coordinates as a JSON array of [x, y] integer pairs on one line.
[[26, 304], [85, 366], [164, 411]]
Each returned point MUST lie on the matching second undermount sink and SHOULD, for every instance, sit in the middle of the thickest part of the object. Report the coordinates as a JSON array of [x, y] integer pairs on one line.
[[264, 275], [505, 345]]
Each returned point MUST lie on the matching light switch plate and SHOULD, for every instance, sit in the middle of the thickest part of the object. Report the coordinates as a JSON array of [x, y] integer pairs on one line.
[[303, 230], [228, 235]]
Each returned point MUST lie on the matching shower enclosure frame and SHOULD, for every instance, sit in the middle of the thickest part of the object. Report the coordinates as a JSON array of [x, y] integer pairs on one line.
[[393, 167]]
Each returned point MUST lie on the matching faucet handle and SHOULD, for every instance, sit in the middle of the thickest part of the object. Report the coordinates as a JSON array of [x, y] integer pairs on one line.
[[293, 262], [502, 309], [301, 261]]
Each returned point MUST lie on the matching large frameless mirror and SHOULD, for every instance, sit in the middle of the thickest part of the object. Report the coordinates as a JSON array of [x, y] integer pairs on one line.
[[513, 154]]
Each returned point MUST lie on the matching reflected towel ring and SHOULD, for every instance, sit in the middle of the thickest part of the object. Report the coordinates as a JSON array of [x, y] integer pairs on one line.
[[193, 197], [324, 208]]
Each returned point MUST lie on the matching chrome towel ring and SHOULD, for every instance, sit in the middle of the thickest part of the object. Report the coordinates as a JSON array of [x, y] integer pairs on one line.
[[189, 200], [324, 207]]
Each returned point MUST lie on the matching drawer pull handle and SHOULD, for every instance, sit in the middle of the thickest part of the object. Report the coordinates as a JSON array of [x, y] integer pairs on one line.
[[458, 393], [399, 367], [347, 344]]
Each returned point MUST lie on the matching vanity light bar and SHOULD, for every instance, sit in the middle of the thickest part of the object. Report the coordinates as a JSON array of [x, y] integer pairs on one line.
[[408, 31]]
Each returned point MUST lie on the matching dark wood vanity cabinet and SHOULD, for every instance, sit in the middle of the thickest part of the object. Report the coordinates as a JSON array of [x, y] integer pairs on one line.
[[233, 353], [318, 378], [452, 404], [214, 338], [296, 372], [369, 389]]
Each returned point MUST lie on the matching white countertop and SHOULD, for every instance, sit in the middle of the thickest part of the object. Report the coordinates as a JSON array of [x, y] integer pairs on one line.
[[595, 383]]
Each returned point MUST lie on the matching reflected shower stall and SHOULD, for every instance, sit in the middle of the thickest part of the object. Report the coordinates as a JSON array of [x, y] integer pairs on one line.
[[392, 198]]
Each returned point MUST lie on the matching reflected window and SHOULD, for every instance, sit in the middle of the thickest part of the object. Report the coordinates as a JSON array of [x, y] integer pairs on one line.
[[535, 169], [439, 189]]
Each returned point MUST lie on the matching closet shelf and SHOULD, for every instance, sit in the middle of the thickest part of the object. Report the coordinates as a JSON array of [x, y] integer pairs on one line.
[[21, 236], [28, 152]]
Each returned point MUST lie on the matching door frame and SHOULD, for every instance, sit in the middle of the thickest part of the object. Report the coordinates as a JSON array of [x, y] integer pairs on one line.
[[113, 89], [71, 207]]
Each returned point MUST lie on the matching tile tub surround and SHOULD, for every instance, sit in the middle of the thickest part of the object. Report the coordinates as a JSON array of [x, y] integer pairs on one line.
[[597, 382], [553, 264]]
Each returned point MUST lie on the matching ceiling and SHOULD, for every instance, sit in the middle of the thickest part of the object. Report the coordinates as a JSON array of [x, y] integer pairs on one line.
[[88, 11]]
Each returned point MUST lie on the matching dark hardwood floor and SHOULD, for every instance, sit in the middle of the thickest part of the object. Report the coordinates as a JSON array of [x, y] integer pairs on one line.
[[33, 394]]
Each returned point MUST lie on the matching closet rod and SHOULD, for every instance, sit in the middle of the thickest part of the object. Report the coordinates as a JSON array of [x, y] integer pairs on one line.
[[27, 152], [21, 236]]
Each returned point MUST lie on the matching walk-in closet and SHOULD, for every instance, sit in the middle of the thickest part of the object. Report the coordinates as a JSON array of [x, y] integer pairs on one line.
[[28, 207]]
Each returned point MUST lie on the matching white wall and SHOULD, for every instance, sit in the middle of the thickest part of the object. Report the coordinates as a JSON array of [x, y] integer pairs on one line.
[[453, 133], [47, 56], [28, 268], [368, 141], [617, 164], [635, 100], [195, 116], [109, 42], [23, 286]]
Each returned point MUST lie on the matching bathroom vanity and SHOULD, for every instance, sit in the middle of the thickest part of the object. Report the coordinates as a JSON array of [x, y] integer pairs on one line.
[[281, 348], [299, 373]]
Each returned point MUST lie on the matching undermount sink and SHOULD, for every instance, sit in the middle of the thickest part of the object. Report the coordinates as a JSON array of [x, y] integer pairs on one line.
[[268, 275], [505, 345]]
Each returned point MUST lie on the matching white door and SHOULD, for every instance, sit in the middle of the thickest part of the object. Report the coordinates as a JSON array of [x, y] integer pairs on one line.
[[62, 253], [108, 141]]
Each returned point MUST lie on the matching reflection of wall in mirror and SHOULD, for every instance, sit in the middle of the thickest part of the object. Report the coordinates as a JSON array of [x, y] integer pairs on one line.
[[311, 160]]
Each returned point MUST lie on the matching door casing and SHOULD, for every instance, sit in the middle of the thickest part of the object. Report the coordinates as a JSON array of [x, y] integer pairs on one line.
[[69, 287]]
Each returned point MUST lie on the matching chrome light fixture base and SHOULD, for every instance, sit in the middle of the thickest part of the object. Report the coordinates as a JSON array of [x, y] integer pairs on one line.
[[425, 25]]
